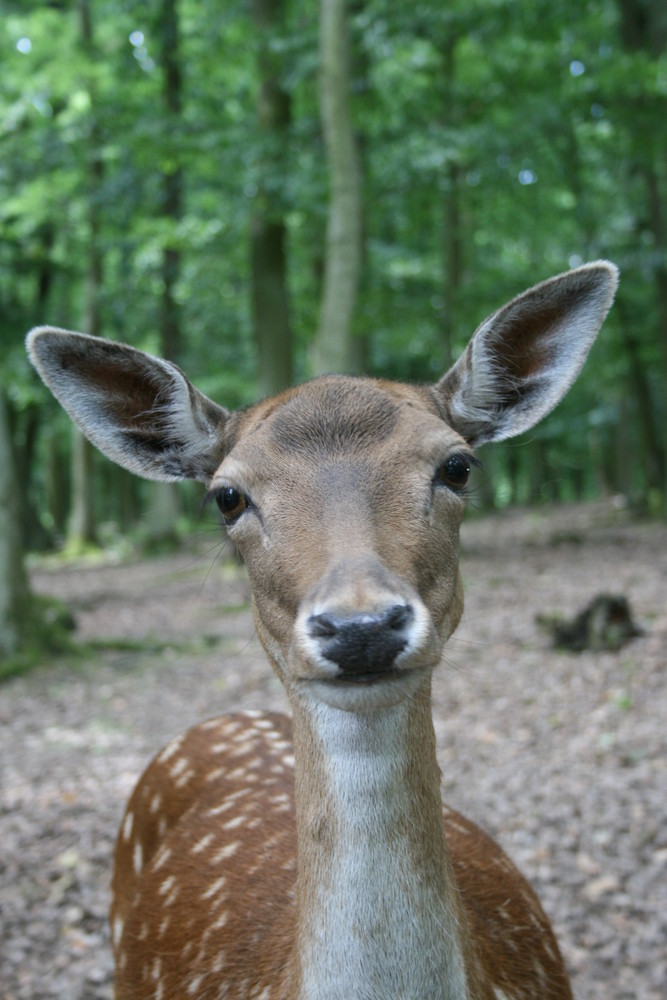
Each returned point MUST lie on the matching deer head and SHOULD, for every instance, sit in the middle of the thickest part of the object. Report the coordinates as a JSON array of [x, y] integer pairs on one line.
[[344, 495]]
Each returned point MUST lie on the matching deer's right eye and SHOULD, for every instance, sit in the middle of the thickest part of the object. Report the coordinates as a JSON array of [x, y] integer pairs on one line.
[[454, 472], [231, 503]]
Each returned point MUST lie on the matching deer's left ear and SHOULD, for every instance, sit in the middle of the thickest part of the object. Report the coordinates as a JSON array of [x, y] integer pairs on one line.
[[522, 360]]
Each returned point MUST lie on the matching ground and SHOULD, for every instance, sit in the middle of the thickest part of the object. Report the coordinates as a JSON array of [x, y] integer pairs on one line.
[[560, 756]]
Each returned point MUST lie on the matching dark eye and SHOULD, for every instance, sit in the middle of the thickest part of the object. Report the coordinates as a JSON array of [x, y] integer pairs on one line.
[[454, 473], [231, 503]]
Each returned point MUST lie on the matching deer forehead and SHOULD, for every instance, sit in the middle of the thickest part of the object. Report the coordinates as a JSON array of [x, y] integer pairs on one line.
[[335, 432]]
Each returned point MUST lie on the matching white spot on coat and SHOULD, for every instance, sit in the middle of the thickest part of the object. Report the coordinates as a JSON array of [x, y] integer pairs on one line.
[[127, 826], [203, 843], [228, 851], [117, 930], [138, 858]]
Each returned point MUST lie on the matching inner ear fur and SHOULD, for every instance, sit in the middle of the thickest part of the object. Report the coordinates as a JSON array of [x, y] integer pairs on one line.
[[522, 360], [140, 411]]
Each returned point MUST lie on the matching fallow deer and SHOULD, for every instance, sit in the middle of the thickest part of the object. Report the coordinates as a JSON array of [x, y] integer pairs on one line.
[[309, 859]]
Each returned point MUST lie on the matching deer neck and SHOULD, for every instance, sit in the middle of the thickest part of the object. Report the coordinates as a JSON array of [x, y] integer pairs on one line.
[[378, 915]]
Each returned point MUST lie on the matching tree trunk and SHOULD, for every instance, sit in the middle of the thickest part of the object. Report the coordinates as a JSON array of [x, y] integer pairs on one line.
[[335, 347], [452, 249], [164, 504], [14, 594], [452, 262], [268, 237], [644, 29], [643, 26], [170, 320], [38, 535], [657, 216], [650, 448], [273, 333], [56, 484], [82, 527]]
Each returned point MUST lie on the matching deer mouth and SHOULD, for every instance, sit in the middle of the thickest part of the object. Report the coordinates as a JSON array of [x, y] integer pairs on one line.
[[367, 678], [368, 691]]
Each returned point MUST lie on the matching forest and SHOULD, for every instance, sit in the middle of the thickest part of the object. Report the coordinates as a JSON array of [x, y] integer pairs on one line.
[[263, 190]]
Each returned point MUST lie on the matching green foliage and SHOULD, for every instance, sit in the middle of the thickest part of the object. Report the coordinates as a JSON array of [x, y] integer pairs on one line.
[[502, 143]]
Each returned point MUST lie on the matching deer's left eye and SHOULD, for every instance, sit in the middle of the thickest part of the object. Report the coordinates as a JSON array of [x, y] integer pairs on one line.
[[454, 473], [231, 503]]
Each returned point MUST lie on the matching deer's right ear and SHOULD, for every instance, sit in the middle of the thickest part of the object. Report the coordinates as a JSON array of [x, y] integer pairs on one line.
[[140, 411]]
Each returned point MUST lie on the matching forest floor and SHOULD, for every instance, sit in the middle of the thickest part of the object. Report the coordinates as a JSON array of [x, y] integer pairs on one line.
[[560, 756]]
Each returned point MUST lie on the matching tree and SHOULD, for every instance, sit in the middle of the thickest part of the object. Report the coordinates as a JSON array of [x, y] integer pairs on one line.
[[335, 347], [268, 237], [171, 334], [14, 594], [643, 33], [81, 528], [164, 504]]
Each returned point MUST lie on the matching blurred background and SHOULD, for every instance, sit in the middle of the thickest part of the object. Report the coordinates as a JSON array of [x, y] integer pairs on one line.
[[262, 190]]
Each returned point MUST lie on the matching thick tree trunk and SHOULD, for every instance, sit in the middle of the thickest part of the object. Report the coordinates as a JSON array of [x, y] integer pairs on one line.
[[335, 347], [14, 594], [268, 237]]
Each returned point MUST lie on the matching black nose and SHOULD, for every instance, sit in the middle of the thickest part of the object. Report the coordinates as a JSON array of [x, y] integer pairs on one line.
[[364, 643]]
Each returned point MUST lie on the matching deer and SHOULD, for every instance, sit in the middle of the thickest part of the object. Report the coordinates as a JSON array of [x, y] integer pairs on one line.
[[311, 857]]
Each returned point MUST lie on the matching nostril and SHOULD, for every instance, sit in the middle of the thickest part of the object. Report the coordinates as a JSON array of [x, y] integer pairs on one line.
[[366, 643], [322, 626], [400, 616]]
